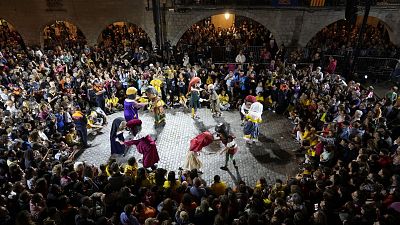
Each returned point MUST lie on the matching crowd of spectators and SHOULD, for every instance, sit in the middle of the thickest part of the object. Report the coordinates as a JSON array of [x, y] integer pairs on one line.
[[203, 40], [62, 34], [348, 137], [341, 37]]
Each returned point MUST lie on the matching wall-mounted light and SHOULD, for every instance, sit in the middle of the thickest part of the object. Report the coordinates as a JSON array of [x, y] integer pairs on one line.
[[227, 15]]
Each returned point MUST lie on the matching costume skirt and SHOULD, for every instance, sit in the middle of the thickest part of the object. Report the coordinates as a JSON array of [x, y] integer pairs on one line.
[[192, 161]]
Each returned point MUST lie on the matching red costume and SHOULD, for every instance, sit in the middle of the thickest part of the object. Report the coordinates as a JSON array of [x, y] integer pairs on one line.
[[200, 141], [147, 147], [196, 144]]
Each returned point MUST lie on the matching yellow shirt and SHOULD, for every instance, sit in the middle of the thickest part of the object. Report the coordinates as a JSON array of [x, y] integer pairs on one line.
[[223, 99], [156, 83], [131, 171], [112, 101], [260, 99], [209, 80], [167, 185], [70, 138], [219, 188], [249, 118]]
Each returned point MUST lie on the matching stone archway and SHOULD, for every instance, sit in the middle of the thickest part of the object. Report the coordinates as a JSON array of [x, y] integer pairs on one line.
[[314, 22], [14, 38], [341, 27], [128, 29], [179, 23], [61, 33]]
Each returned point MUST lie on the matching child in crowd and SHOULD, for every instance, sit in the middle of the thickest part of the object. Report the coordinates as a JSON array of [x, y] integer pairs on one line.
[[72, 138], [112, 104], [260, 97], [224, 100]]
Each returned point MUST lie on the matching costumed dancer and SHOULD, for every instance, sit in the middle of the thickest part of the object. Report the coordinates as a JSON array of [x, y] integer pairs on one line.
[[117, 136], [145, 145], [228, 140], [81, 122], [196, 145], [253, 120], [194, 90], [244, 109], [156, 104], [131, 106], [214, 101]]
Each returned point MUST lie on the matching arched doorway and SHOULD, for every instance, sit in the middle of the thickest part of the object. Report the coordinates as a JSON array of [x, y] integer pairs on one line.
[[62, 33], [221, 37], [340, 38], [124, 34], [9, 37]]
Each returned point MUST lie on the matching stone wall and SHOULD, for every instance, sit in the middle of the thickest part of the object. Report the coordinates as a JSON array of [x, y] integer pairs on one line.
[[29, 17], [293, 27], [289, 26]]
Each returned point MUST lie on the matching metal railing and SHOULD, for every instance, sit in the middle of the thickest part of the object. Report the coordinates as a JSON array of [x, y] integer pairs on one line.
[[378, 68]]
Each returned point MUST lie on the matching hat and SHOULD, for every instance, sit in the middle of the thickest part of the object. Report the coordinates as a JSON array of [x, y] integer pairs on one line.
[[250, 98], [133, 123], [131, 91]]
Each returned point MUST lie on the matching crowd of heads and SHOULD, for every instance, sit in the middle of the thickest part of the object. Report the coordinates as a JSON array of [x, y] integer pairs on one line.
[[62, 34], [348, 141], [202, 38], [341, 38]]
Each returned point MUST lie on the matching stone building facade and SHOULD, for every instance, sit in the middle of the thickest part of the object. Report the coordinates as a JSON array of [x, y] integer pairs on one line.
[[291, 26]]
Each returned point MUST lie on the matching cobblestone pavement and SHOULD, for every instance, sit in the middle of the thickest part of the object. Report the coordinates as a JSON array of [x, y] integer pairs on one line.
[[272, 157]]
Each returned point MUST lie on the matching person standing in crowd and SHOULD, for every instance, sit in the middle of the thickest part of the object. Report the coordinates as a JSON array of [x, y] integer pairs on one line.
[[332, 65], [253, 118], [117, 135], [80, 122], [145, 145], [131, 106], [230, 146], [143, 58], [240, 59], [156, 104]]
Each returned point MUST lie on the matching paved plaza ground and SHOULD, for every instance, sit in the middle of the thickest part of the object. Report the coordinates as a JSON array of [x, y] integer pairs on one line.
[[272, 157]]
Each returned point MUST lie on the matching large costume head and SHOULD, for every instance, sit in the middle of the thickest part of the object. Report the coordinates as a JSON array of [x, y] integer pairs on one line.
[[151, 92], [222, 128], [250, 98], [256, 110], [193, 82], [210, 88], [135, 126], [131, 92]]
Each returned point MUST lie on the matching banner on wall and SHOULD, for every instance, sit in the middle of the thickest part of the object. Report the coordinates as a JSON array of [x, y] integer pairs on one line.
[[285, 2]]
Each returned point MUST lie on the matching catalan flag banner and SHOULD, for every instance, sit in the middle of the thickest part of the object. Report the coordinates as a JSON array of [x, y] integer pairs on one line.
[[317, 3]]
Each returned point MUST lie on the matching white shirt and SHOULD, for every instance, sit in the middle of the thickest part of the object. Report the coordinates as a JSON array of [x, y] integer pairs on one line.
[[240, 58]]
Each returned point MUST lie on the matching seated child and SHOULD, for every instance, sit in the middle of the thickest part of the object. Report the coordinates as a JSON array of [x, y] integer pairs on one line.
[[72, 138], [112, 104]]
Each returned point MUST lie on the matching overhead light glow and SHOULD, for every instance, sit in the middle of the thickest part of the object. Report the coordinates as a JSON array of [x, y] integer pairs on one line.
[[227, 15]]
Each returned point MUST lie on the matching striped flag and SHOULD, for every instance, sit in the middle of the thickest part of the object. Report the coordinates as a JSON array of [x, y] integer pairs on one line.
[[317, 3]]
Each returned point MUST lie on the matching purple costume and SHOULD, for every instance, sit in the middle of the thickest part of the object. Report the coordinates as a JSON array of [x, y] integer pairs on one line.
[[131, 109]]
